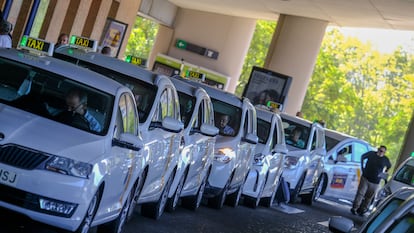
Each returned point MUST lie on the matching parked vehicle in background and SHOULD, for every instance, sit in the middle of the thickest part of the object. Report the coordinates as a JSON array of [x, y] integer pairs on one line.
[[343, 164], [234, 149], [304, 162], [159, 118], [197, 149], [70, 149], [263, 178], [395, 214], [403, 177]]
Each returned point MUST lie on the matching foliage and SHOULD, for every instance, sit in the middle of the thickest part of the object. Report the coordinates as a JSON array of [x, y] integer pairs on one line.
[[257, 52], [142, 38], [362, 92]]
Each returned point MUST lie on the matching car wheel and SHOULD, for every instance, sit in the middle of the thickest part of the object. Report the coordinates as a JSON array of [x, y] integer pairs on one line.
[[117, 225], [316, 192], [85, 226], [217, 202], [253, 202], [172, 202], [138, 188], [155, 209], [294, 196], [194, 202], [234, 198]]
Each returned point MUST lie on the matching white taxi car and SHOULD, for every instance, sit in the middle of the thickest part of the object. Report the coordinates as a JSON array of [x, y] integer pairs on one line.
[[263, 178], [70, 148], [198, 144], [234, 148], [342, 165], [304, 162], [159, 118]]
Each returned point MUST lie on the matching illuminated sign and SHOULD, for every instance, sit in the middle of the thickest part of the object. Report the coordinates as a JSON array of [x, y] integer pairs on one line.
[[273, 105], [136, 60], [194, 74], [37, 45], [83, 42]]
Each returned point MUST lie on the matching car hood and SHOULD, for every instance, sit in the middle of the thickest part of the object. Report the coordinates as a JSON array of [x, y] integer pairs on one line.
[[42, 134], [293, 151], [223, 142]]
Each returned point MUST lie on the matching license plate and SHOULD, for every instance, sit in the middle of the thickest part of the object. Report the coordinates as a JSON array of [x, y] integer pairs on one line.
[[8, 177]]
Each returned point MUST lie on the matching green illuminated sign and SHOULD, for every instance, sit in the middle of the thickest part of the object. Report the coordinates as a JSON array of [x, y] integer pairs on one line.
[[181, 44]]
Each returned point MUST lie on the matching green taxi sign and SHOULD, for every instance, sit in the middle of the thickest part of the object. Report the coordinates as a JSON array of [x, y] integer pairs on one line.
[[412, 154], [83, 43], [136, 60], [273, 105], [194, 74], [36, 45]]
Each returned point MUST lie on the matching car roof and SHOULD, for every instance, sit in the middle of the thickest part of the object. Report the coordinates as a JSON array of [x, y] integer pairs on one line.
[[62, 68], [218, 94], [110, 63], [296, 119], [264, 114], [337, 135]]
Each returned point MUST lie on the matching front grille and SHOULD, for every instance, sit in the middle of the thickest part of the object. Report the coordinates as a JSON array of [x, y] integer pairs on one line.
[[20, 157]]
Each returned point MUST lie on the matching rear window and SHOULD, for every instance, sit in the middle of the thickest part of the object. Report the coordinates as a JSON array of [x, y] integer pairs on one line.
[[46, 94]]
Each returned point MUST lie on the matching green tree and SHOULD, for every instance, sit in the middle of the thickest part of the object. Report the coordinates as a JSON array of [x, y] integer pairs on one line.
[[142, 38], [257, 51]]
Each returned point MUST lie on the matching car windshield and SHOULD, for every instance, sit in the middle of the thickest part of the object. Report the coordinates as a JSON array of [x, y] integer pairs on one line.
[[406, 174], [330, 143], [296, 135], [187, 104], [227, 118], [55, 97], [383, 214], [263, 130], [144, 93]]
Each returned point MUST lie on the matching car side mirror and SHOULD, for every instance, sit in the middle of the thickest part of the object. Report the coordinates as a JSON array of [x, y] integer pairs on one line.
[[339, 224], [251, 138], [209, 130], [173, 125]]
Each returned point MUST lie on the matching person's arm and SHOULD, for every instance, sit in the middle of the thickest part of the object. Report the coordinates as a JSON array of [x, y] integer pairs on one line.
[[93, 123]]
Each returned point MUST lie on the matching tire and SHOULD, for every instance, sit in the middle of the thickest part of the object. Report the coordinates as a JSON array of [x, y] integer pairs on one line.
[[117, 225], [234, 198], [294, 196], [155, 209], [172, 202], [85, 226], [194, 202], [253, 202], [217, 202], [138, 188], [317, 191], [268, 201]]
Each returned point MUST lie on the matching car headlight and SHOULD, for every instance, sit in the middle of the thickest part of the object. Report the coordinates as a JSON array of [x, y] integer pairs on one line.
[[224, 155], [258, 159], [291, 162], [69, 167]]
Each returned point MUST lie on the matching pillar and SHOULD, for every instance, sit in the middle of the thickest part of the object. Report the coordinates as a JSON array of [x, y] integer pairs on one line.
[[293, 51]]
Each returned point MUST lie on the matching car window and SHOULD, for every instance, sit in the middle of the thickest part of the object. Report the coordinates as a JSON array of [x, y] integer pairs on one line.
[[263, 130], [47, 94], [359, 150], [234, 117], [405, 174], [330, 143], [144, 93], [344, 153], [296, 135], [383, 214], [187, 104], [128, 114], [403, 225]]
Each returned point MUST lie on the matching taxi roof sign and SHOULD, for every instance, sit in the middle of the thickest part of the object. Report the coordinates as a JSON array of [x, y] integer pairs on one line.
[[273, 105], [36, 45], [83, 43], [136, 60]]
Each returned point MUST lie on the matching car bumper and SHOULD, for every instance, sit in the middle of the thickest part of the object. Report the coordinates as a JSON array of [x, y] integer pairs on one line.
[[255, 179], [26, 196]]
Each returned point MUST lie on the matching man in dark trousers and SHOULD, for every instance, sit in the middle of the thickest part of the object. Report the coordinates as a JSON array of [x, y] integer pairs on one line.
[[375, 166]]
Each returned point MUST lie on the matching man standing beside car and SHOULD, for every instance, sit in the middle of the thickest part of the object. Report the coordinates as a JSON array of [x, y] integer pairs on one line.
[[373, 171]]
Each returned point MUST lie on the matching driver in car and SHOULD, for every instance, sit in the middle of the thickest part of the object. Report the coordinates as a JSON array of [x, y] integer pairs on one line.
[[77, 113]]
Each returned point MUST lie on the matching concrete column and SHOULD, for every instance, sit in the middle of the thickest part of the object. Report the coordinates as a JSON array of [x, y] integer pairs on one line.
[[162, 43], [56, 21], [408, 145], [293, 51], [228, 35], [80, 19]]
